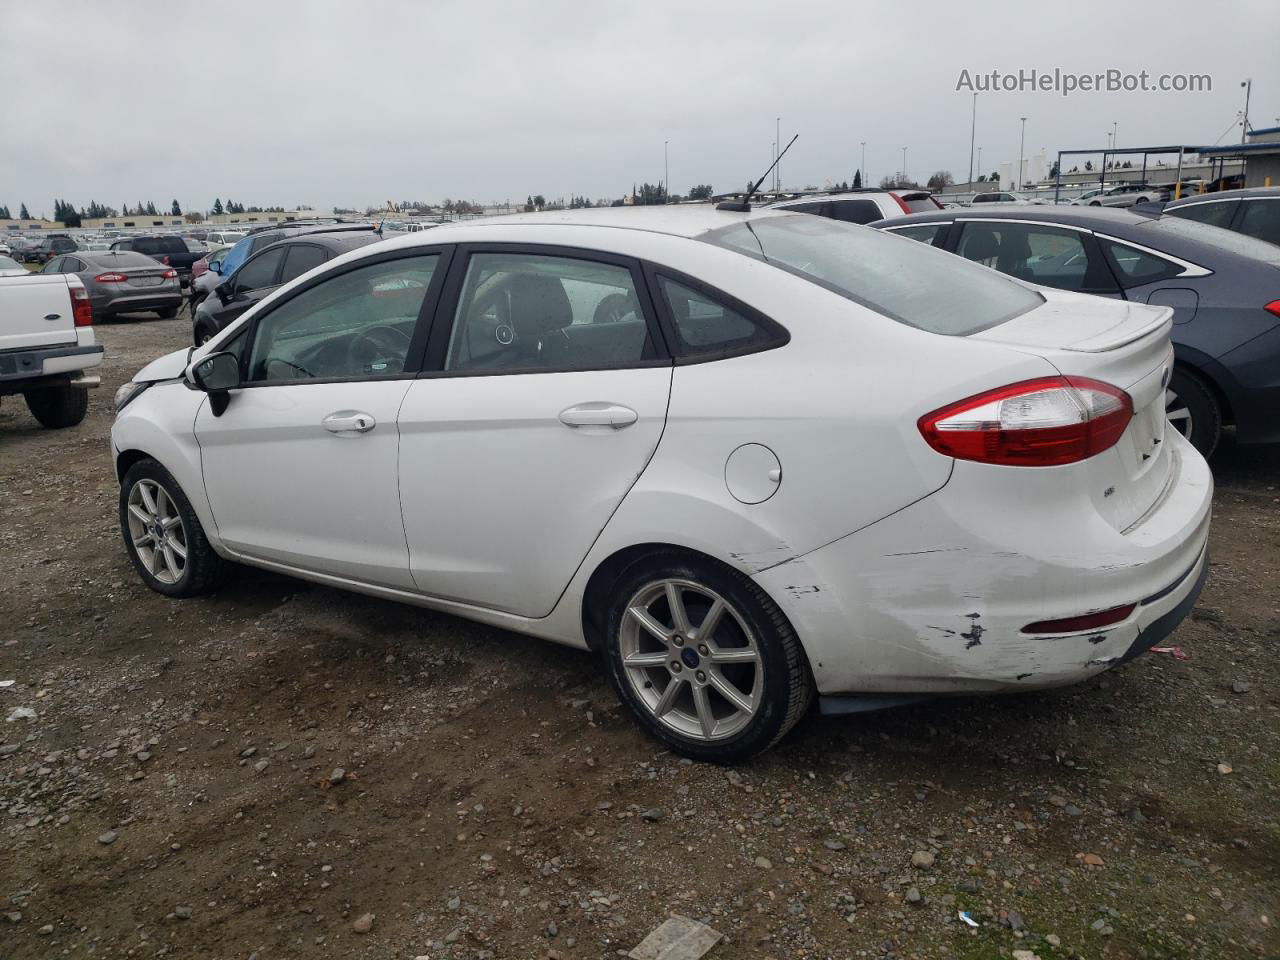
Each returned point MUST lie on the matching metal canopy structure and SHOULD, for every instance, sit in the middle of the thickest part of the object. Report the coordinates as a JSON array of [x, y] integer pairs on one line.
[[1180, 149]]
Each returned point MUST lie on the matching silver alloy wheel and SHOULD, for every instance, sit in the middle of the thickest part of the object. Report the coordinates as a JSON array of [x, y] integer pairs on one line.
[[157, 531], [691, 659], [1178, 413]]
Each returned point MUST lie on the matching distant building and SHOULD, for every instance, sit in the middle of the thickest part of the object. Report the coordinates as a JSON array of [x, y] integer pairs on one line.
[[13, 225], [1260, 155]]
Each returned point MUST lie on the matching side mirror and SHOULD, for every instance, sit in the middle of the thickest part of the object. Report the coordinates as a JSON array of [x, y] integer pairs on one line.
[[224, 291], [217, 373], [215, 266]]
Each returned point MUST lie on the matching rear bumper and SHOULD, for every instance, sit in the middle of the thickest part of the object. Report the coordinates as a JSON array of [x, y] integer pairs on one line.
[[134, 303], [934, 598], [20, 369]]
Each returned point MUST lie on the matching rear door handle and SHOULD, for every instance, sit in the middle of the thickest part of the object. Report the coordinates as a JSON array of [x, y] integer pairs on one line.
[[598, 414], [349, 421]]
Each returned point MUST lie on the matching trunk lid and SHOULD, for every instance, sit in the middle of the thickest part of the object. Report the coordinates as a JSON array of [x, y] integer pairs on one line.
[[1126, 345], [27, 303]]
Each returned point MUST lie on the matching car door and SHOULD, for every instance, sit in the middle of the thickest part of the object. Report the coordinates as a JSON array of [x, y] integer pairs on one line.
[[300, 466], [544, 398]]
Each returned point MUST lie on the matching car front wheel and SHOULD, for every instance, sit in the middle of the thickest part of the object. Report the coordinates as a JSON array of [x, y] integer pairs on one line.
[[163, 536], [704, 658]]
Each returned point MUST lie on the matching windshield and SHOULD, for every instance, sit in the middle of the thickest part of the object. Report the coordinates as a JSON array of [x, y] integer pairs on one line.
[[902, 279], [8, 263], [1237, 243]]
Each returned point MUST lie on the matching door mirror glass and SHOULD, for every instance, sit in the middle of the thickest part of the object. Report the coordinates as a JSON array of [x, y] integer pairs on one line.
[[217, 372], [216, 266]]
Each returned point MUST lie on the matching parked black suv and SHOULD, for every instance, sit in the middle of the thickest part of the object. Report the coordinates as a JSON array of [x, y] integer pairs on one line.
[[276, 263], [49, 247]]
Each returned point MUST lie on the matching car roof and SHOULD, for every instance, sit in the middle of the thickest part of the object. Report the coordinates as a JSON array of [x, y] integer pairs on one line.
[[677, 220], [1225, 195], [1092, 218], [341, 240]]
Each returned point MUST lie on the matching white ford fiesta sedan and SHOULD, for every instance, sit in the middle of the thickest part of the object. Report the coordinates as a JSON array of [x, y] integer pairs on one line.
[[748, 457]]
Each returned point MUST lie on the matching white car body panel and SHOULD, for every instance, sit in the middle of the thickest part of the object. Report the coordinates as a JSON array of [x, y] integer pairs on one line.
[[889, 558]]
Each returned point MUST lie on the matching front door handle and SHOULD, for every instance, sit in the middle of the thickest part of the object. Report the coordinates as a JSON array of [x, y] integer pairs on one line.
[[598, 414], [349, 421]]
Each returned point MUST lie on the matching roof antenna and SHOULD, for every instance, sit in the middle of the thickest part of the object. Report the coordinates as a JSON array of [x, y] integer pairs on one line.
[[744, 205]]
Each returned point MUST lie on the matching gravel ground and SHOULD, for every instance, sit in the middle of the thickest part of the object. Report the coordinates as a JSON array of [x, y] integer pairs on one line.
[[282, 770]]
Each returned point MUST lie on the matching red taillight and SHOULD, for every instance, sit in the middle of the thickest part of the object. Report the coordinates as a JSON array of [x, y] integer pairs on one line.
[[1036, 423], [1273, 308], [169, 274], [111, 277], [902, 203], [1089, 621], [81, 310]]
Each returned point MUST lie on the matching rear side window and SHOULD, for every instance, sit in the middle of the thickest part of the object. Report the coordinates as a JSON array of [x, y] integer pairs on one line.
[[1135, 267], [1216, 214], [858, 211], [707, 328], [1044, 254], [1262, 220], [918, 285]]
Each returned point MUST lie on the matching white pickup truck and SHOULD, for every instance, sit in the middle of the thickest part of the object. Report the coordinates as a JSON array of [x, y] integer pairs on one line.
[[46, 343]]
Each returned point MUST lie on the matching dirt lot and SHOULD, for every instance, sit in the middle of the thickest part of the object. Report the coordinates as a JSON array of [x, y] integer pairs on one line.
[[177, 793]]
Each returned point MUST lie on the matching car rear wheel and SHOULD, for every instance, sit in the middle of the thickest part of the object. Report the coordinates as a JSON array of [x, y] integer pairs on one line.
[[168, 313], [58, 407], [1193, 410], [163, 536], [706, 661]]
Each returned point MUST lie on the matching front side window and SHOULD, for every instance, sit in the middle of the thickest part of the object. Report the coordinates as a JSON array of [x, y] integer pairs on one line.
[[1052, 256], [260, 271], [1262, 220], [356, 325], [299, 258], [534, 312], [918, 285], [925, 232]]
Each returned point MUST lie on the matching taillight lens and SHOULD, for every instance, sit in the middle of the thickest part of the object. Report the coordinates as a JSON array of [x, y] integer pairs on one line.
[[1036, 423], [111, 277], [81, 310], [165, 259], [169, 274], [1273, 308]]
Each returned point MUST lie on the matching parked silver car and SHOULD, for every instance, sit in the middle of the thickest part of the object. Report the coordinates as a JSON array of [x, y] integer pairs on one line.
[[122, 281], [1125, 195]]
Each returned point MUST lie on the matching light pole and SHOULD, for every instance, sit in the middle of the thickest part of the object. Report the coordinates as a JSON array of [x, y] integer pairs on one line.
[[904, 164], [973, 128], [863, 169], [1115, 134], [1244, 121], [666, 173], [1021, 143], [979, 161]]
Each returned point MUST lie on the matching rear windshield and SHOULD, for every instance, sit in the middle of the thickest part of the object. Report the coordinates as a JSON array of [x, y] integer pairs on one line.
[[919, 203], [906, 281], [1237, 243], [159, 245], [124, 258]]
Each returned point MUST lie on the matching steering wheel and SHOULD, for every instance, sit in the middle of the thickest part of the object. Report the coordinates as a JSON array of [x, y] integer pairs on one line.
[[382, 344]]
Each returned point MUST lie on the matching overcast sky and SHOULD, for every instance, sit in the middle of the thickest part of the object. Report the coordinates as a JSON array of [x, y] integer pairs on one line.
[[354, 103]]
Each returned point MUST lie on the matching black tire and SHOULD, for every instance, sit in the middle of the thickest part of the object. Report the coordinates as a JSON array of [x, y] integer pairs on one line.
[[168, 313], [1203, 423], [786, 687], [203, 570], [1095, 203], [58, 407]]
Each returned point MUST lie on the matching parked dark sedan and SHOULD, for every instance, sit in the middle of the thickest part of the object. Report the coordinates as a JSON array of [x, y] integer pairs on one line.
[[268, 269], [1224, 289], [1254, 212], [120, 281]]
